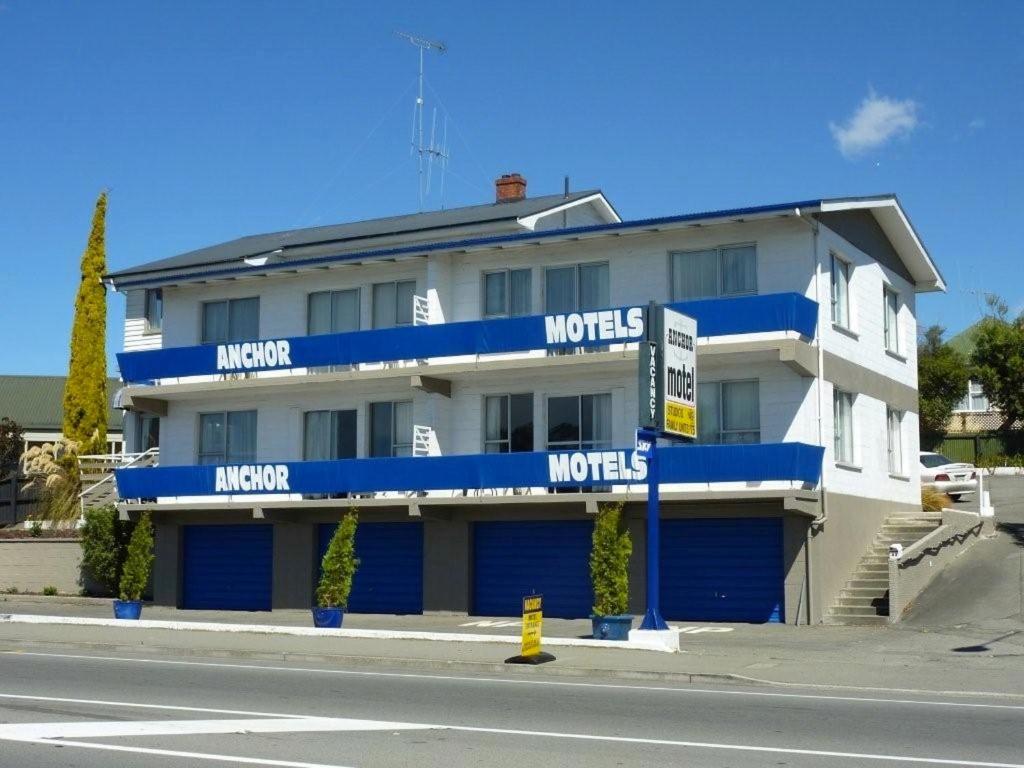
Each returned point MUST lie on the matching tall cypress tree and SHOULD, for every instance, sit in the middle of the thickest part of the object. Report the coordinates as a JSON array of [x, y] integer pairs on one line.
[[85, 392]]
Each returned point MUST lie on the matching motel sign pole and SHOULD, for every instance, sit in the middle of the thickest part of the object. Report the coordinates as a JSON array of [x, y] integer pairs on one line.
[[652, 618]]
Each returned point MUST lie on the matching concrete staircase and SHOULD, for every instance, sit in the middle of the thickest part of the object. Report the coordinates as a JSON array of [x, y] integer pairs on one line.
[[865, 598]]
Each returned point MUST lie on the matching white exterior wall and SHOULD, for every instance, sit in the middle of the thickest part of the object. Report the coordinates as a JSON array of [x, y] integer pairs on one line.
[[136, 337]]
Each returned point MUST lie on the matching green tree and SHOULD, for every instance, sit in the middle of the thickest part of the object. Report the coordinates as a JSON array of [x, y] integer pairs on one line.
[[85, 392], [942, 378], [997, 362], [339, 565], [609, 562], [104, 546], [12, 442], [139, 562]]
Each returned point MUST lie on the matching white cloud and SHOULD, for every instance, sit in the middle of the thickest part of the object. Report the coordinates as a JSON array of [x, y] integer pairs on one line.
[[877, 120], [976, 124]]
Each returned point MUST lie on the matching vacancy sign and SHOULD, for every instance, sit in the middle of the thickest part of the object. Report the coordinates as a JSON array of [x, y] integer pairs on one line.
[[679, 366]]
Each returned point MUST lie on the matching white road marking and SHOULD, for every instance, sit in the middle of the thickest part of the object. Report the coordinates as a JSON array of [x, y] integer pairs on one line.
[[133, 705], [189, 755], [93, 729], [559, 683]]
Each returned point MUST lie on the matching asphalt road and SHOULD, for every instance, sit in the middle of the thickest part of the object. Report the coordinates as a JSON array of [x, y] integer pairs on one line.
[[88, 711]]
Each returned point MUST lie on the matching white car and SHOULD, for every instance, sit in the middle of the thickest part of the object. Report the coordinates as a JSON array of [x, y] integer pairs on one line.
[[953, 478]]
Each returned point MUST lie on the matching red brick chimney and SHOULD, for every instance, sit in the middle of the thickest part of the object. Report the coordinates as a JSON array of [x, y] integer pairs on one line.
[[510, 188]]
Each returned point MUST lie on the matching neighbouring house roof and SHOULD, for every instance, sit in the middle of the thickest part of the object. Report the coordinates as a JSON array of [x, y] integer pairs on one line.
[[885, 210], [36, 403], [524, 213]]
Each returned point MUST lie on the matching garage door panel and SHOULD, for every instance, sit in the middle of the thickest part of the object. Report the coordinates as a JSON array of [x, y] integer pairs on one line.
[[515, 559], [390, 574], [227, 567], [722, 569]]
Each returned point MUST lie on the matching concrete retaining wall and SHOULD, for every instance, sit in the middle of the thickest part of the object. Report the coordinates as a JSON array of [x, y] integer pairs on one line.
[[922, 561], [30, 565]]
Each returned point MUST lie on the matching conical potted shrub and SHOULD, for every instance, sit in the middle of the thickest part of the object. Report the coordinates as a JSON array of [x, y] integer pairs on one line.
[[609, 574], [336, 573], [137, 566]]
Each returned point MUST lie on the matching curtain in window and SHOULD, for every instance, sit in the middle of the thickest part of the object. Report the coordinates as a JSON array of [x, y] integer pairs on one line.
[[243, 319], [215, 322], [384, 305], [709, 414], [211, 438], [843, 406], [739, 270], [496, 424], [520, 287], [891, 322], [594, 286], [241, 436], [405, 291], [319, 313], [317, 439], [345, 310], [741, 412], [895, 442], [840, 292], [495, 298], [694, 275], [403, 429], [596, 412], [560, 290]]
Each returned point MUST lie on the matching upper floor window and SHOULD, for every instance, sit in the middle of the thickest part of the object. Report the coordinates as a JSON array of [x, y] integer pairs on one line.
[[727, 271], [329, 435], [579, 422], [392, 303], [842, 414], [891, 320], [576, 288], [391, 429], [227, 437], [506, 293], [840, 292], [147, 431], [154, 309], [894, 440], [729, 412], [333, 311], [508, 423], [231, 320], [975, 400]]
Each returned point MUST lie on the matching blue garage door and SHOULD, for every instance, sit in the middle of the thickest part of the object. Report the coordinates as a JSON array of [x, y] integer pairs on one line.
[[512, 560], [390, 575], [228, 567], [722, 569]]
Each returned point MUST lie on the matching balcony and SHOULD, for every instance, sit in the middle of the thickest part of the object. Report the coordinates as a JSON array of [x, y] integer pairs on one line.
[[779, 323]]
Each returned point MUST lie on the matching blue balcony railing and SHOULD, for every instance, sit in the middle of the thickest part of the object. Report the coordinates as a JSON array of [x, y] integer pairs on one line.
[[715, 317], [791, 462]]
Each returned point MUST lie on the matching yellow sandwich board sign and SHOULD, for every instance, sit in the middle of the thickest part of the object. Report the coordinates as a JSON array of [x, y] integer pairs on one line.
[[533, 622]]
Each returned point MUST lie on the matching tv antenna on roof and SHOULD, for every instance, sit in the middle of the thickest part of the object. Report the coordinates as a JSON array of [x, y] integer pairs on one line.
[[431, 151]]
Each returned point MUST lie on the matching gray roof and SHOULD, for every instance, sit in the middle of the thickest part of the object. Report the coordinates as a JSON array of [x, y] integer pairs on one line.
[[352, 233], [37, 402]]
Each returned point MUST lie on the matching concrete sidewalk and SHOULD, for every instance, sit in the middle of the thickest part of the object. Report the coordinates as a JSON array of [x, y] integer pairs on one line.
[[951, 660]]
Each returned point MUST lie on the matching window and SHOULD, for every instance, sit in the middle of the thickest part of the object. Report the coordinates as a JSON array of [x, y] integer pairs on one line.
[[894, 423], [842, 406], [579, 422], [840, 292], [574, 289], [891, 324], [729, 412], [391, 429], [728, 271], [392, 303], [147, 432], [333, 312], [329, 435], [975, 400], [507, 293], [508, 423], [227, 437], [231, 320], [154, 309]]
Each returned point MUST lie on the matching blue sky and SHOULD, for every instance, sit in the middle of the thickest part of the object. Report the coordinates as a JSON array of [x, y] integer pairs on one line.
[[208, 121]]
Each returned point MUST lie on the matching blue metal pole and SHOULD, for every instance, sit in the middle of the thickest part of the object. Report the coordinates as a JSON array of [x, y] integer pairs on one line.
[[652, 619]]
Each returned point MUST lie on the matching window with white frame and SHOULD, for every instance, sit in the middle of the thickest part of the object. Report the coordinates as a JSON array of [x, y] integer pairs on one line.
[[508, 423], [392, 303], [579, 422], [329, 435], [576, 288], [840, 292], [713, 272], [391, 429], [333, 312], [975, 401], [154, 309], [891, 324], [729, 412], [894, 442], [231, 320], [506, 293], [842, 414], [227, 437]]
